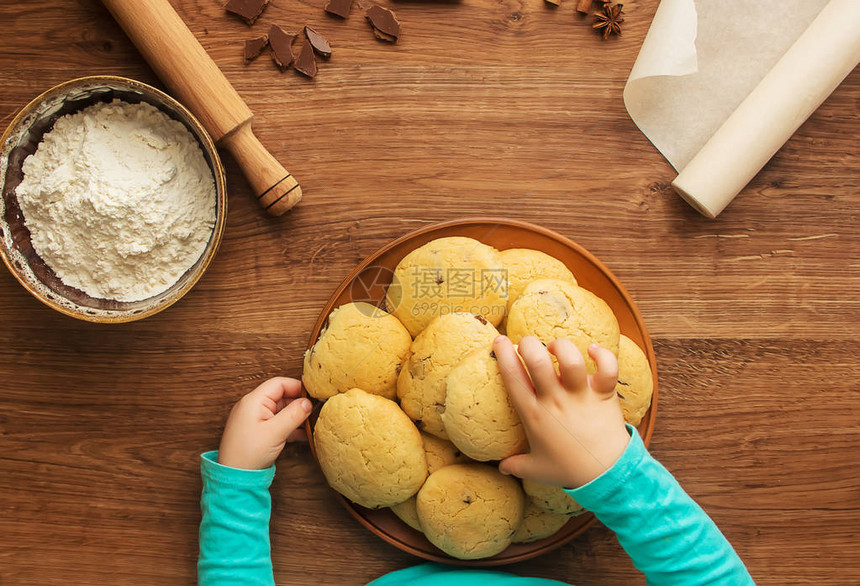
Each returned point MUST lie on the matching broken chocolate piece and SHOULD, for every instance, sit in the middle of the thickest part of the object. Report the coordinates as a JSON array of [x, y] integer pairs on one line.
[[385, 22], [383, 37], [339, 7], [253, 47], [247, 10], [282, 46], [318, 42], [553, 2], [307, 63]]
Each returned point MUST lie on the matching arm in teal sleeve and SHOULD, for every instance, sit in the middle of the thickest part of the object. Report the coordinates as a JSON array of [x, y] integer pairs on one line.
[[668, 536], [234, 531]]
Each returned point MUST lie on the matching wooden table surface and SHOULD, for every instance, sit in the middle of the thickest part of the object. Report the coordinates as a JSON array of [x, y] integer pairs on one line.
[[490, 107]]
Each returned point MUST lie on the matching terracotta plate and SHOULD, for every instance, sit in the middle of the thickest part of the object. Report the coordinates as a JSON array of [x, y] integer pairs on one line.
[[368, 282]]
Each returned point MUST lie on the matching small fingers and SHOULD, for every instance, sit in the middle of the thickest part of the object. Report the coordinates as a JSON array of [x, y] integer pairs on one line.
[[571, 364], [520, 466], [540, 366], [277, 388], [281, 403], [514, 375], [606, 377], [291, 417]]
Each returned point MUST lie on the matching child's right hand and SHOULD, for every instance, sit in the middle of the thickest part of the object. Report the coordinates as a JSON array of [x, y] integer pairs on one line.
[[573, 422]]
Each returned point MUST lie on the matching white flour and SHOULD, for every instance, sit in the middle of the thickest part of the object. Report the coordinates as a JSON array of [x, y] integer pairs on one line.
[[119, 200]]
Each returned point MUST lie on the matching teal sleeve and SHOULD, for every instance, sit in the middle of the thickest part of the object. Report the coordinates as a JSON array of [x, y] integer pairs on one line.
[[668, 536], [234, 530], [441, 575]]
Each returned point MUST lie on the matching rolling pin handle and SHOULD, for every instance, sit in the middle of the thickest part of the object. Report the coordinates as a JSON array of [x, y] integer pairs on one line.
[[276, 189]]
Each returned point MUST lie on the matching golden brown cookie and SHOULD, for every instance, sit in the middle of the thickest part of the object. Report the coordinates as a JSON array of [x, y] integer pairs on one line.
[[551, 309], [407, 511], [635, 383], [439, 453], [447, 275], [538, 524], [369, 450], [470, 511], [524, 265], [436, 350], [552, 499], [479, 417], [362, 346]]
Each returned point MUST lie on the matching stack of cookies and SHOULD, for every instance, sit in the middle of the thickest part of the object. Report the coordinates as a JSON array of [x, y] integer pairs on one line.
[[416, 416]]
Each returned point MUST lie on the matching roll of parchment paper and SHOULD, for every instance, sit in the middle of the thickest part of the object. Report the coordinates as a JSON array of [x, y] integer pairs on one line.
[[788, 94]]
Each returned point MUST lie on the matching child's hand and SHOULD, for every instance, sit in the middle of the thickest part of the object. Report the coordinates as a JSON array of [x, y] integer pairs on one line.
[[573, 422], [262, 422]]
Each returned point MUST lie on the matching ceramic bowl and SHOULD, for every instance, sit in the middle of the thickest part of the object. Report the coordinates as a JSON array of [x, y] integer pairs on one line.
[[368, 282], [21, 139]]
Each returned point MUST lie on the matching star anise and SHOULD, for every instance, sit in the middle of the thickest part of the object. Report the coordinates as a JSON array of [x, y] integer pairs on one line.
[[609, 18]]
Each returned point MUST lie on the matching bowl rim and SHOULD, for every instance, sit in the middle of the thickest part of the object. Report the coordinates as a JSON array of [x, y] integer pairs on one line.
[[649, 420], [206, 143]]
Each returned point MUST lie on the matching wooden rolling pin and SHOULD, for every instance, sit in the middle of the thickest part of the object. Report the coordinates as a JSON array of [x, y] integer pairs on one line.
[[185, 67]]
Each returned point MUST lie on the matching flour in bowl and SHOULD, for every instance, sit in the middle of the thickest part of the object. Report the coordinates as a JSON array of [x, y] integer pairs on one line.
[[119, 200]]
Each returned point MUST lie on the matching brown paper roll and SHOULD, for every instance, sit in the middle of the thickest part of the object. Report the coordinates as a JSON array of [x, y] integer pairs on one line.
[[800, 81]]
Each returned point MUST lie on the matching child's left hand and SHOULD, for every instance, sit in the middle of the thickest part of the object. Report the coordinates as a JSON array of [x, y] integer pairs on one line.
[[262, 422]]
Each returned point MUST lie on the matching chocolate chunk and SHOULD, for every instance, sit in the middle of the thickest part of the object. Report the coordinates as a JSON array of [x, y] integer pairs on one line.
[[383, 21], [339, 7], [318, 42], [307, 63], [253, 47], [282, 47], [247, 10], [383, 37]]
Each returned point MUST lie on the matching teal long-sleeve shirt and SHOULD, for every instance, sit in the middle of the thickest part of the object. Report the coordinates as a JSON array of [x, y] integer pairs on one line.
[[667, 535]]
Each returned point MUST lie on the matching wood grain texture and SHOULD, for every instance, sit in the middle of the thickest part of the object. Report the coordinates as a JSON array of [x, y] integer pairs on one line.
[[184, 66], [499, 107]]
